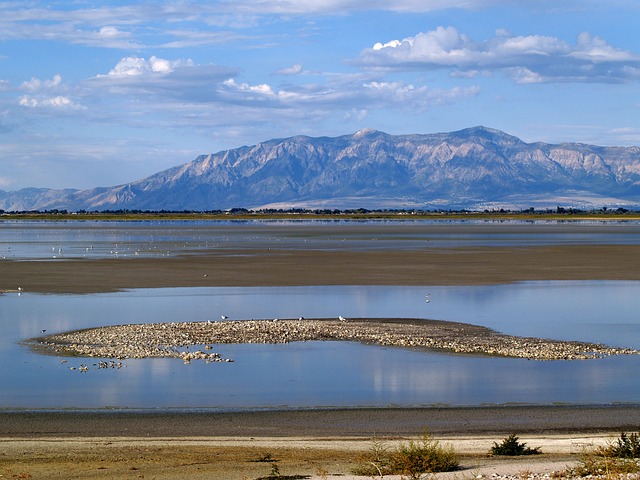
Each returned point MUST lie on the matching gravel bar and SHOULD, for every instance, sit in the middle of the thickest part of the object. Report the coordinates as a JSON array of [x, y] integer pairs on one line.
[[176, 339]]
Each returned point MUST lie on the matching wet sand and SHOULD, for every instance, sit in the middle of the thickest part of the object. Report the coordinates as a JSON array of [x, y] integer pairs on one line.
[[356, 422]]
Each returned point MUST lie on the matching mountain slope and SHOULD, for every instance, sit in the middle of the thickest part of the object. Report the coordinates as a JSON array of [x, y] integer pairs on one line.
[[470, 168]]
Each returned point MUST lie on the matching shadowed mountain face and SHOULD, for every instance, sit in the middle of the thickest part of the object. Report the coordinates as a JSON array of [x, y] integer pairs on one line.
[[473, 168]]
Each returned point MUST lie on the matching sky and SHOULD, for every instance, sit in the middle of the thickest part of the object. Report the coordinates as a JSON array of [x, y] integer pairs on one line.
[[104, 93]]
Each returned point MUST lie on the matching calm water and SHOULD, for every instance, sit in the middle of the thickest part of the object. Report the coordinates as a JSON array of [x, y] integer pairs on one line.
[[317, 374], [94, 239], [328, 374]]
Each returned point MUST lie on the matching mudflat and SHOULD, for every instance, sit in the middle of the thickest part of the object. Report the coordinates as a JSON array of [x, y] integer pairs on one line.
[[263, 266]]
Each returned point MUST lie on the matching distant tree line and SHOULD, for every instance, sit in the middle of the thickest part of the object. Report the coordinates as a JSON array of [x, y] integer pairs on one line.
[[240, 211]]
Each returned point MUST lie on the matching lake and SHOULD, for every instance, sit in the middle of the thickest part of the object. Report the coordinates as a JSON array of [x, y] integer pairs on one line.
[[328, 374], [312, 374]]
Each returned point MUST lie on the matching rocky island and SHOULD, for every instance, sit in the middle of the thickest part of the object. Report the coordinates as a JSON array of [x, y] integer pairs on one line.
[[177, 339]]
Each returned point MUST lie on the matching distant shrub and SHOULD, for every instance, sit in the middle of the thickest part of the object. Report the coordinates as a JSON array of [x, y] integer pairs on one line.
[[276, 475], [626, 446], [426, 456], [376, 462], [511, 447], [265, 457], [412, 459], [617, 458]]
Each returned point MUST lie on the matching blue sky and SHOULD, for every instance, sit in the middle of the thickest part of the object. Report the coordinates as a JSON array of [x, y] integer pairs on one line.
[[103, 93]]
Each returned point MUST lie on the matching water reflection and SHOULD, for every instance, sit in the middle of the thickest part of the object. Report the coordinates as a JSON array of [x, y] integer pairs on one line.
[[328, 373]]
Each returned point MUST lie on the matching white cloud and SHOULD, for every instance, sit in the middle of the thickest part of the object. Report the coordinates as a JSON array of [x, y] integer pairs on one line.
[[262, 89], [57, 102], [181, 93], [392, 44], [526, 59], [292, 70], [341, 6], [134, 66], [411, 97], [50, 94], [111, 32], [154, 81], [523, 75], [169, 24], [36, 84]]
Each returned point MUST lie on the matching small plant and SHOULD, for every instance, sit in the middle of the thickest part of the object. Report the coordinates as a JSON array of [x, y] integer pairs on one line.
[[275, 471], [626, 446], [412, 459], [265, 457], [276, 475], [322, 473], [617, 458], [425, 456], [376, 462], [511, 446]]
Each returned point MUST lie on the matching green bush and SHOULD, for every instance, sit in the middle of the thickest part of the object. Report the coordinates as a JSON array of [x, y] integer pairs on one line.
[[510, 446], [626, 446], [376, 462], [617, 458], [412, 459], [426, 456]]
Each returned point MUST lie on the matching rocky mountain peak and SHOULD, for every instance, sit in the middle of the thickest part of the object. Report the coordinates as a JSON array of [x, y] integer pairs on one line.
[[474, 168]]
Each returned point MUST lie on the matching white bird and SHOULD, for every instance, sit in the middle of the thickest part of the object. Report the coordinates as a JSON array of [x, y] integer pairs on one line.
[[224, 317], [428, 299], [342, 319]]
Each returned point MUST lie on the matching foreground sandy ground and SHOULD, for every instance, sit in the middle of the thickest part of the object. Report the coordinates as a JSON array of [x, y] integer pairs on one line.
[[73, 445], [234, 458]]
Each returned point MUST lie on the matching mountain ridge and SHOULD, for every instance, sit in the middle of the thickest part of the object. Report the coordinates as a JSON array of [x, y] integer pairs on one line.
[[474, 168]]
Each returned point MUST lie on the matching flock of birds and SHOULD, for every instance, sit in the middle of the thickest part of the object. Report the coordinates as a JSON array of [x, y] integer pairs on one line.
[[226, 317], [340, 317]]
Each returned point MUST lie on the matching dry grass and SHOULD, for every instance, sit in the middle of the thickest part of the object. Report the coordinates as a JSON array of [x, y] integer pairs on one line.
[[102, 461], [620, 457]]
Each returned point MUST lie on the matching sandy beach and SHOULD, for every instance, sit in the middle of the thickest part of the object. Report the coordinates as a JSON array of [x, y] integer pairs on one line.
[[325, 443]]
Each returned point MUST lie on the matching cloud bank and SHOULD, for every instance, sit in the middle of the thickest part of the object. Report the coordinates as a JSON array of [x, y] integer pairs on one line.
[[525, 59]]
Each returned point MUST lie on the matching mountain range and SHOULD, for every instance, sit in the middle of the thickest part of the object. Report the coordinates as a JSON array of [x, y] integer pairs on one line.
[[475, 168]]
